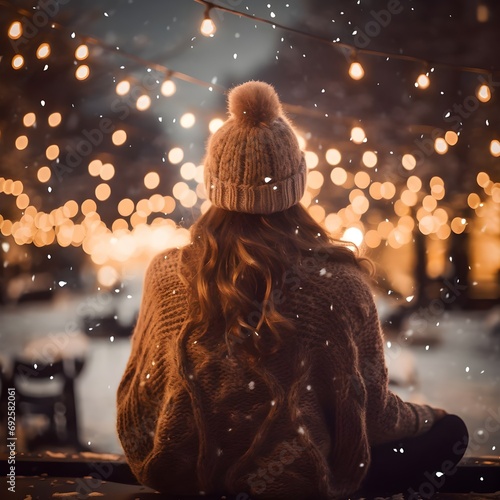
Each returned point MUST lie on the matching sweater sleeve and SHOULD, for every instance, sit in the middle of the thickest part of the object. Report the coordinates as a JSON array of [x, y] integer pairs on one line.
[[387, 416], [145, 383]]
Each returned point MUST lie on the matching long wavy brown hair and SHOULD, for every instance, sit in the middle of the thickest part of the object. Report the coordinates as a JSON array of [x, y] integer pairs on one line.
[[238, 261]]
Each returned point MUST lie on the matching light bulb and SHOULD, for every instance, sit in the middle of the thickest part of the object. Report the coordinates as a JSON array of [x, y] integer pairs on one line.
[[168, 88], [483, 93], [208, 27], [356, 71], [422, 81]]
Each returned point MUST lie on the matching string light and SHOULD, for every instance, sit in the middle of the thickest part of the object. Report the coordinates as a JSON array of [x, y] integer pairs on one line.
[[81, 52], [18, 61], [356, 71], [123, 87], [358, 135], [15, 30], [433, 223], [82, 72], [495, 148], [43, 51], [483, 93], [422, 81], [207, 27], [440, 146], [168, 88]]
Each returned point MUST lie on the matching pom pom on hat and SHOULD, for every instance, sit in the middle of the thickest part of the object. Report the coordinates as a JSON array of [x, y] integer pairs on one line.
[[253, 163], [254, 103]]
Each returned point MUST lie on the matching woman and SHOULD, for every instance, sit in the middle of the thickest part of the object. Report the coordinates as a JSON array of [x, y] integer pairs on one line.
[[257, 363]]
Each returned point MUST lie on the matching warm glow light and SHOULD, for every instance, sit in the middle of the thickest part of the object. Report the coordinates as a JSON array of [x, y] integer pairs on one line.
[[175, 155], [360, 204], [143, 102], [482, 13], [54, 119], [441, 146], [438, 192], [387, 190], [15, 30], [358, 135], [44, 174], [187, 120], [356, 71], [315, 179], [414, 184], [188, 171], [43, 51], [17, 188], [17, 61], [317, 212], [70, 208], [22, 142], [208, 27], [311, 158], [95, 167], [52, 152], [123, 87], [451, 137], [495, 148], [369, 159], [372, 239], [422, 81], [215, 124], [353, 235], [408, 161], [107, 276], [168, 88], [483, 93], [436, 181], [428, 224], [119, 137], [429, 203], [483, 179], [189, 199], [88, 206], [107, 172], [102, 191], [82, 72], [333, 156], [81, 52], [22, 201], [338, 176], [473, 200], [169, 205], [126, 207], [375, 190], [333, 222], [156, 203], [458, 225], [362, 180], [180, 189], [151, 180], [29, 119]]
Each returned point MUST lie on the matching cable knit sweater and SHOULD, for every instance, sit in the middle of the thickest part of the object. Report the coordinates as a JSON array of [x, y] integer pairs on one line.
[[333, 307]]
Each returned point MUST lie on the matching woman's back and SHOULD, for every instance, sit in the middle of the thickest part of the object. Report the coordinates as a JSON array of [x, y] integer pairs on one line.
[[257, 360], [292, 389]]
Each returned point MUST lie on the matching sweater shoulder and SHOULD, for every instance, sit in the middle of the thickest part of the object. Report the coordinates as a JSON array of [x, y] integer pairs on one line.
[[343, 287], [163, 273]]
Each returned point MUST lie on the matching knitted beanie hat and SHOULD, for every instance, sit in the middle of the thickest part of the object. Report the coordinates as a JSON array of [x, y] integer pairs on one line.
[[253, 161]]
